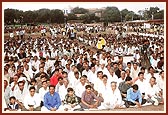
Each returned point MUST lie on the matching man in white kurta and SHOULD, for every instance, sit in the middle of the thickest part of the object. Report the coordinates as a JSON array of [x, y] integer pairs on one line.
[[43, 90], [112, 98], [142, 83], [153, 94], [92, 75], [80, 88]]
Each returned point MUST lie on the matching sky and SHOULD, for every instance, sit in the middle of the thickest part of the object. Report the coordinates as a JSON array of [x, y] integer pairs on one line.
[[131, 6]]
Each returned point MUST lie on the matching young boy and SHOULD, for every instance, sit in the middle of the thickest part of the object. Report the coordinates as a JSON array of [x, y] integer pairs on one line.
[[13, 105], [71, 101]]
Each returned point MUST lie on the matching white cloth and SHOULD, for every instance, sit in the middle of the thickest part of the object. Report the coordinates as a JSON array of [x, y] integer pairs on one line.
[[36, 65], [96, 85], [79, 89], [7, 94], [29, 100], [160, 83], [112, 99], [42, 92], [84, 72], [20, 95], [104, 70], [152, 91], [103, 88], [92, 77], [142, 85], [112, 78], [62, 107], [134, 73]]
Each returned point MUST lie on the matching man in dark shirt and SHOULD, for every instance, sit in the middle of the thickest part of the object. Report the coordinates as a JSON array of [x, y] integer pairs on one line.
[[124, 86]]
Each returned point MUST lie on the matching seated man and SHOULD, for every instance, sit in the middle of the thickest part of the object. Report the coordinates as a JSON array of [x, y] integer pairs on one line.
[[134, 97], [124, 86], [112, 98], [32, 101], [52, 100], [153, 93], [87, 100]]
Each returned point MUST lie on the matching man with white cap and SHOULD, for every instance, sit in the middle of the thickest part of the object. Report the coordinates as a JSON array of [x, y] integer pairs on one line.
[[122, 78], [103, 68]]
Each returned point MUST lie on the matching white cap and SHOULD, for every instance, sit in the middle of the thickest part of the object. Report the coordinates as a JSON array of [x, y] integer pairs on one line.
[[21, 79]]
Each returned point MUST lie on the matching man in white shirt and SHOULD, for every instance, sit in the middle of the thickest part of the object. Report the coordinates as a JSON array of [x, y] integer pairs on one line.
[[153, 94], [64, 60], [142, 83], [160, 81], [71, 75], [74, 81], [122, 78], [112, 98], [103, 69], [53, 53], [63, 89], [20, 94], [103, 86], [86, 68], [151, 74], [35, 65], [99, 80], [42, 91], [154, 61], [135, 70], [112, 76], [32, 101], [92, 75], [48, 64], [7, 91], [28, 73], [136, 56], [80, 88]]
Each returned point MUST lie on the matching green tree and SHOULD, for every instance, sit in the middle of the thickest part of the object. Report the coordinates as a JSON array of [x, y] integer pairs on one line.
[[72, 16], [159, 15], [85, 18], [124, 12], [130, 16], [78, 10], [43, 15], [57, 16], [153, 13], [30, 16], [112, 14], [12, 15]]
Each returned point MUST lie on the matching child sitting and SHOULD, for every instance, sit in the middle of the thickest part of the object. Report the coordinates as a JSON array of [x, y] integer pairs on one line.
[[70, 102], [13, 105]]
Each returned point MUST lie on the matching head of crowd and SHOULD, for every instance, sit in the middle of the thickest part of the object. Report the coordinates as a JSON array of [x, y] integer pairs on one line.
[[78, 67]]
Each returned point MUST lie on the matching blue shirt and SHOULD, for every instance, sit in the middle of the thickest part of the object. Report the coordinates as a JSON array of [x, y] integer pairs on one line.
[[52, 101], [132, 96]]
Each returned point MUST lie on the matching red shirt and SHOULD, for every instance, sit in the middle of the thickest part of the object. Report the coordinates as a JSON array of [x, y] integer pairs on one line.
[[54, 79]]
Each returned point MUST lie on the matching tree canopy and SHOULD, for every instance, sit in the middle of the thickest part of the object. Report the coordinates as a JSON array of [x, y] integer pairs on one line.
[[109, 14]]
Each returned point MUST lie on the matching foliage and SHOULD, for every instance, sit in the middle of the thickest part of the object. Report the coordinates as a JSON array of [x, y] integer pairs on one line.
[[78, 10], [112, 14], [109, 14]]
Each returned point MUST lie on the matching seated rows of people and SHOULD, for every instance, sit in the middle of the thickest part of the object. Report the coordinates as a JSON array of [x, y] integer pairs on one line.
[[68, 93]]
